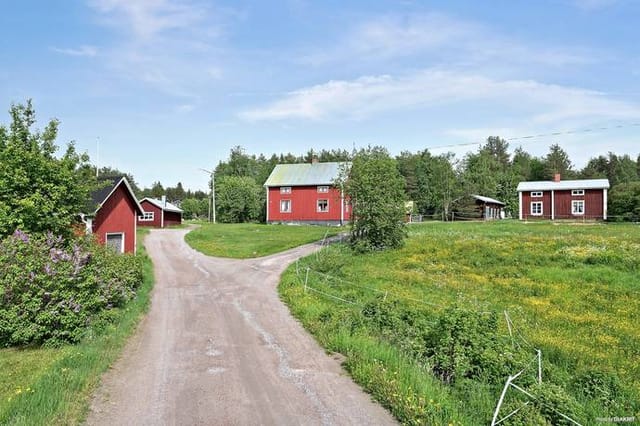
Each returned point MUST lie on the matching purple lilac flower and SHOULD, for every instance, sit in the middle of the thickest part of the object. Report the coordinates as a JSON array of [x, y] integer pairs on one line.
[[22, 236]]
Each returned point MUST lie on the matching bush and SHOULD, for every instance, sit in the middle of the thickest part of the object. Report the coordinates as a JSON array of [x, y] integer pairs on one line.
[[465, 343], [51, 290]]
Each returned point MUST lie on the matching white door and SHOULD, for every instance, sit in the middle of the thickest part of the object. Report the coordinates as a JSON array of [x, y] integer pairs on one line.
[[116, 241]]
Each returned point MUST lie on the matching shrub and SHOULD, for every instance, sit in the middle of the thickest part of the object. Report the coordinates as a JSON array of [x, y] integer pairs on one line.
[[466, 343], [549, 405], [51, 289]]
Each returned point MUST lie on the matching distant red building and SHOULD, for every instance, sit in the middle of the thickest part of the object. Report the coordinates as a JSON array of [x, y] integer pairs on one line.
[[114, 221], [563, 199], [159, 213], [305, 193]]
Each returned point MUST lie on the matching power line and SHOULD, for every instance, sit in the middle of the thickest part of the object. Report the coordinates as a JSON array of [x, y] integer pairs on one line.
[[544, 135]]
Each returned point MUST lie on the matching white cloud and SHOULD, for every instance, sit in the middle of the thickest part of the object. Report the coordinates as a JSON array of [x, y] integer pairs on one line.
[[148, 18], [81, 51], [370, 95], [436, 36]]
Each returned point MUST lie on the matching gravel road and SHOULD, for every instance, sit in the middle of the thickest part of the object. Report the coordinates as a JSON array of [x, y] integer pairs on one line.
[[218, 347]]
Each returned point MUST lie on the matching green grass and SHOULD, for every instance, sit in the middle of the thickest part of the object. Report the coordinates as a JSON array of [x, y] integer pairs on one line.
[[243, 241], [45, 386], [571, 290]]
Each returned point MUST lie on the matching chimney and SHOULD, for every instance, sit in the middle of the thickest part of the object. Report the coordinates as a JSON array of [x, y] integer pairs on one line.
[[556, 177], [164, 201], [314, 160]]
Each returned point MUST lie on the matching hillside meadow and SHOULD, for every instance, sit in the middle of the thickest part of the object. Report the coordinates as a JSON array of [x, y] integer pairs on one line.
[[434, 329]]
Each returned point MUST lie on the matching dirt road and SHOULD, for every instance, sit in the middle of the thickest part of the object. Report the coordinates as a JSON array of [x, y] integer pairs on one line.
[[218, 347]]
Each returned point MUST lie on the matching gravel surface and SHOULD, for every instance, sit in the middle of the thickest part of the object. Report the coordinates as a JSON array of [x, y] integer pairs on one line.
[[218, 347]]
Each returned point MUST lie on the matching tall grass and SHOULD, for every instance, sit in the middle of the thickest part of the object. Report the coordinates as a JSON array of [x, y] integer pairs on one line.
[[54, 386], [571, 291]]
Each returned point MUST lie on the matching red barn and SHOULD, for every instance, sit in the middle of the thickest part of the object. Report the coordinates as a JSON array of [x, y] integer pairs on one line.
[[305, 193], [563, 199], [159, 213], [114, 221]]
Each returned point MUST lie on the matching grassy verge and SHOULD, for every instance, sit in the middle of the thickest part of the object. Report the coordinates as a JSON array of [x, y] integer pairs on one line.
[[571, 291], [53, 386], [244, 240]]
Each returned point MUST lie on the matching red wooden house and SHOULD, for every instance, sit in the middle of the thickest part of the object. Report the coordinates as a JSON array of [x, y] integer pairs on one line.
[[305, 193], [114, 221], [563, 199], [159, 213]]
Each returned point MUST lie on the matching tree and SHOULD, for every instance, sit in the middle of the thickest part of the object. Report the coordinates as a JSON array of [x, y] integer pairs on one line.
[[238, 199], [38, 191], [624, 201], [557, 162], [376, 190], [194, 208]]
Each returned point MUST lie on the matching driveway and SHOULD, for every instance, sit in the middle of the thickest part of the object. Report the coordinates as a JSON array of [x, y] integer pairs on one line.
[[218, 347]]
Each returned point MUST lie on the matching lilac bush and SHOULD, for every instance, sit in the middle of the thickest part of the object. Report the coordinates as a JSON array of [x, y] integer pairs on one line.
[[52, 290]]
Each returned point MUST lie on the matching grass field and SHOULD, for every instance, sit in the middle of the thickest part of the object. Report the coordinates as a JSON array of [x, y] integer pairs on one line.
[[572, 291], [248, 240], [53, 386]]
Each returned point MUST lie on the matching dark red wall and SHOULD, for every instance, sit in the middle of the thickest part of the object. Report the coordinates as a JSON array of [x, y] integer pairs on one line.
[[157, 214], [118, 214], [170, 218], [593, 203], [304, 201]]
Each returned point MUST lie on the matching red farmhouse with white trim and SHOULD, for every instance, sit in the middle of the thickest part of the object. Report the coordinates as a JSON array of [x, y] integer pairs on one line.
[[114, 221], [563, 199], [159, 213], [305, 193]]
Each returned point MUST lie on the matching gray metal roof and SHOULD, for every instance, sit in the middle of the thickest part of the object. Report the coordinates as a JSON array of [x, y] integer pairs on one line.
[[100, 196], [304, 174], [487, 199], [158, 203], [548, 185]]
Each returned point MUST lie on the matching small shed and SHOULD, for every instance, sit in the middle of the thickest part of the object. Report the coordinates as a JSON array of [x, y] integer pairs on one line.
[[114, 220], [489, 208], [159, 213]]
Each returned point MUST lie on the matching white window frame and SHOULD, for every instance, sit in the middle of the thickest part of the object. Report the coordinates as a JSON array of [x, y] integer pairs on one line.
[[147, 217], [323, 189], [536, 194], [577, 192], [288, 204], [536, 203], [285, 190], [108, 234], [318, 209], [575, 204]]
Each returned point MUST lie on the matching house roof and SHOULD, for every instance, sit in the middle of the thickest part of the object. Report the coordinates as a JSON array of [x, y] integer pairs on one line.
[[304, 174], [487, 199], [158, 203], [100, 196], [548, 185]]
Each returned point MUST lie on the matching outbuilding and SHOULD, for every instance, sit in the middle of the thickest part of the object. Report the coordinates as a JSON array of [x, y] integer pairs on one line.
[[159, 213], [306, 193], [584, 199], [114, 221]]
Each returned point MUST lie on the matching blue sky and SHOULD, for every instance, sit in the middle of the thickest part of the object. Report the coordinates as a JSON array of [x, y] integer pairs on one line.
[[170, 86]]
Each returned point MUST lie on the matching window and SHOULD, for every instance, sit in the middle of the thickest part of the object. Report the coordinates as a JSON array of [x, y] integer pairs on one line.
[[285, 190], [577, 207], [323, 189], [146, 217], [536, 194], [323, 206], [577, 192], [285, 206], [116, 242], [536, 208]]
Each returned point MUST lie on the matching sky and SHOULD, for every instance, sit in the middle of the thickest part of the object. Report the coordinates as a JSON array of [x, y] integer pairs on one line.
[[167, 87]]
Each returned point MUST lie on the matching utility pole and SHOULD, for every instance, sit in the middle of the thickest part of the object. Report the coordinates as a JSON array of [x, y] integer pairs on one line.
[[213, 193]]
